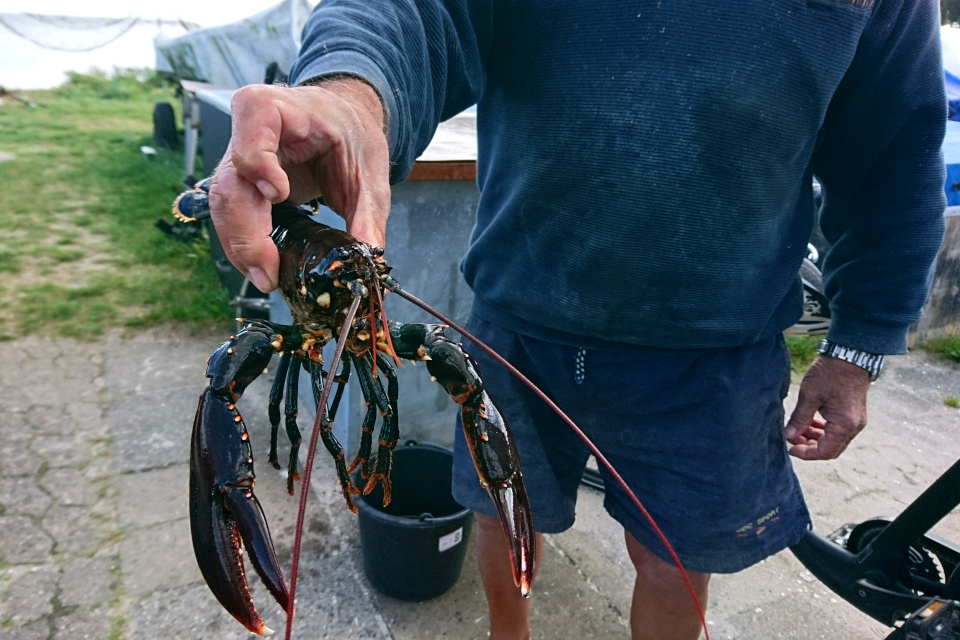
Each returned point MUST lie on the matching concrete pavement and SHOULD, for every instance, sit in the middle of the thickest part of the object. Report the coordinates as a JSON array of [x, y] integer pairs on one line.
[[94, 540]]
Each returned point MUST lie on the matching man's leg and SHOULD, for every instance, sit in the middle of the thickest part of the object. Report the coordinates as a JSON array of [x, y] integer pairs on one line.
[[662, 608], [509, 611]]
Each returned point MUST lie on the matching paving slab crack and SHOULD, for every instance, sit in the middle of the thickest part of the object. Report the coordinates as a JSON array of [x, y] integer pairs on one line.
[[55, 504]]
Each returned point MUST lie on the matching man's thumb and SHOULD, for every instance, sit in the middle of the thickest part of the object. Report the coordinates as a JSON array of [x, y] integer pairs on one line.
[[264, 263]]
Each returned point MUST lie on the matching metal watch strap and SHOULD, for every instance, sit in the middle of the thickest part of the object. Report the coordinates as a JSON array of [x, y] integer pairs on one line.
[[872, 363]]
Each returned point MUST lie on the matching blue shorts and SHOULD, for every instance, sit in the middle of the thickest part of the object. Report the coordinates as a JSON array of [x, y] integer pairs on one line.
[[697, 435]]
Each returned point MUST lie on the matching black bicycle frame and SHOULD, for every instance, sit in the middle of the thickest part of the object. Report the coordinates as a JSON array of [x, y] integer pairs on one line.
[[875, 580]]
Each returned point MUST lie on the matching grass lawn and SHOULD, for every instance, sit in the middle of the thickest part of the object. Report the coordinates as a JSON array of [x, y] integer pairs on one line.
[[803, 351], [78, 249]]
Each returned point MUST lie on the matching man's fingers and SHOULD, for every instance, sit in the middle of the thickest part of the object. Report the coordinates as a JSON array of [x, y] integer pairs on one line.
[[811, 434], [296, 144], [803, 415], [807, 452], [255, 140], [827, 446], [804, 451], [243, 222], [328, 139], [833, 443], [813, 431], [370, 223]]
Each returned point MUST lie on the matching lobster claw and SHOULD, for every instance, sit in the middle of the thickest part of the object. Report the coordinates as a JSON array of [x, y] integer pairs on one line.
[[224, 512], [488, 437], [495, 458]]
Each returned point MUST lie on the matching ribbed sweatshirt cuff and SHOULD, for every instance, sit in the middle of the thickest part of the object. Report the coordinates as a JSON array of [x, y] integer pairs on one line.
[[868, 335]]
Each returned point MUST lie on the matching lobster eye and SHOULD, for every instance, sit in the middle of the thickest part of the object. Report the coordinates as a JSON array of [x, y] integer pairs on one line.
[[345, 254], [377, 251]]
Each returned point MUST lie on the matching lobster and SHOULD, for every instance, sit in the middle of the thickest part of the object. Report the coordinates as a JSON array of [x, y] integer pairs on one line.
[[325, 277]]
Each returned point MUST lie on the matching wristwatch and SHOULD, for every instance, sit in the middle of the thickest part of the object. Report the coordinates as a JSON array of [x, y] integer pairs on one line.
[[871, 362]]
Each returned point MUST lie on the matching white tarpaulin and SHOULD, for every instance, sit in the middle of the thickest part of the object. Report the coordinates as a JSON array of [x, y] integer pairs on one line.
[[237, 54]]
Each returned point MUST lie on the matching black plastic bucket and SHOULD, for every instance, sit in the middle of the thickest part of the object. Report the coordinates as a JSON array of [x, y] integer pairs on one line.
[[413, 548]]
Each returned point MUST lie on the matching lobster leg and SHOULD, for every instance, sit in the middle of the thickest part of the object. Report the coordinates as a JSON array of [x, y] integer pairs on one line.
[[273, 409], [341, 380], [389, 433], [330, 441], [224, 512], [290, 408], [287, 377], [362, 459], [488, 436], [375, 396], [317, 374]]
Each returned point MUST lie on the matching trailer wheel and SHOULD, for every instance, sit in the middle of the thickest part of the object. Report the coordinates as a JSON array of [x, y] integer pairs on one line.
[[165, 126]]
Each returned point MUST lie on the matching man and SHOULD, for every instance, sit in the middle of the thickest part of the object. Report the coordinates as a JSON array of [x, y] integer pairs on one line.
[[645, 171]]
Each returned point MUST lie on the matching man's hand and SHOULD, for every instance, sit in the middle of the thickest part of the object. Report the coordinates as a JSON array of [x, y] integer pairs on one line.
[[838, 390], [298, 144]]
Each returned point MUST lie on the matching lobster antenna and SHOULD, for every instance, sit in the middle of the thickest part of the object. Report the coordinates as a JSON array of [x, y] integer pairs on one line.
[[318, 425], [386, 324], [392, 285], [373, 335]]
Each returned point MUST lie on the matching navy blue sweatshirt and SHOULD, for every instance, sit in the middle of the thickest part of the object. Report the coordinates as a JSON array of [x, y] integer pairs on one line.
[[645, 167]]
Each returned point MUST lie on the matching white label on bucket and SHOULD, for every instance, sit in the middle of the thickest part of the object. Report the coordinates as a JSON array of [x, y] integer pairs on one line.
[[451, 539]]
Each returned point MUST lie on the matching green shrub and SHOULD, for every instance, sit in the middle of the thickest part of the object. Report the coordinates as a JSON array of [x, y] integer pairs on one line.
[[947, 345]]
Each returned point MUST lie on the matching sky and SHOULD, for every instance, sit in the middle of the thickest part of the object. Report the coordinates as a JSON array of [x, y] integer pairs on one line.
[[206, 13], [25, 65]]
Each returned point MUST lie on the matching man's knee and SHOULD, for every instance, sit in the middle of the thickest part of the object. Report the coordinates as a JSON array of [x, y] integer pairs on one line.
[[658, 573]]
